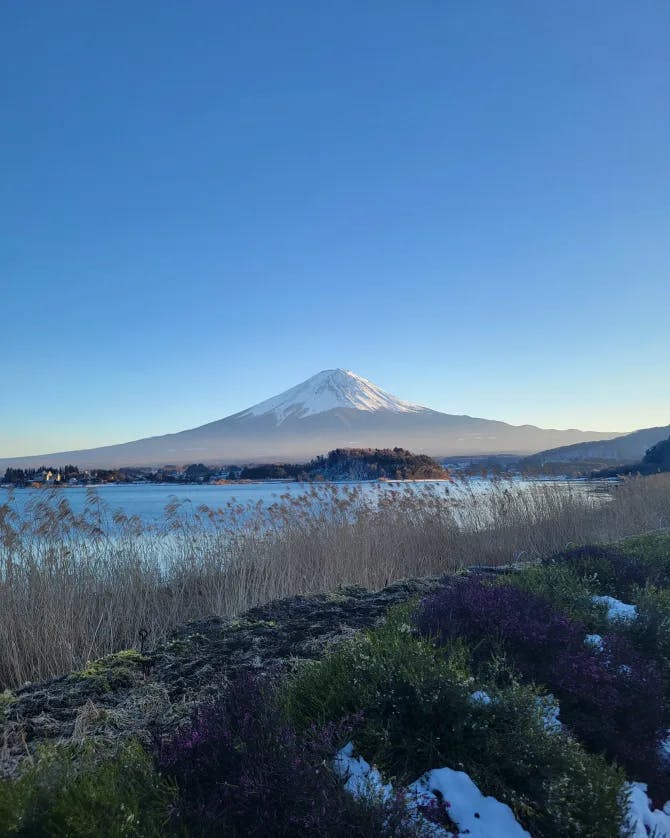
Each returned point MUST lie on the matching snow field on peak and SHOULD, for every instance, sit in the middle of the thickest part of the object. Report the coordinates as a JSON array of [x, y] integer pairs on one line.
[[329, 390]]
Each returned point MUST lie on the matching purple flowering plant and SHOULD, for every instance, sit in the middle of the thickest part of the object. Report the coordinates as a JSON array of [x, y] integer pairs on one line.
[[612, 698], [242, 770]]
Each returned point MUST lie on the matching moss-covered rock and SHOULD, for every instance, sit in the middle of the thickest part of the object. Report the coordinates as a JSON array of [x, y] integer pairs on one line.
[[144, 695], [113, 672], [6, 701]]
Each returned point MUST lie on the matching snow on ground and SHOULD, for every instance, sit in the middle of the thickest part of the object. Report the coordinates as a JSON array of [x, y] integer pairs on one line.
[[480, 697], [550, 710], [664, 748], [595, 640], [641, 819], [475, 814], [361, 779], [482, 817], [617, 610]]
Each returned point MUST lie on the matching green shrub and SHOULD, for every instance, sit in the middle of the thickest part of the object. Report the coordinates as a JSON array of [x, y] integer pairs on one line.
[[566, 589], [6, 700], [549, 780], [77, 791], [653, 552], [650, 631], [417, 712], [611, 698], [399, 681], [605, 569]]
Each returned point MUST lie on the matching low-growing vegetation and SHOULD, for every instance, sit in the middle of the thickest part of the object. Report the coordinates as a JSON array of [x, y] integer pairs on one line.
[[611, 696], [75, 587], [421, 706], [245, 770], [79, 791], [544, 686], [501, 677]]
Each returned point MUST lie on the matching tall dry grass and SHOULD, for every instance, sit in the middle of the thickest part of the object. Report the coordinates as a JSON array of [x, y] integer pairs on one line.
[[74, 586]]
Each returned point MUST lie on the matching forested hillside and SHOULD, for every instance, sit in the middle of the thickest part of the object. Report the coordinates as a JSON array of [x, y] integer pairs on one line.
[[353, 464]]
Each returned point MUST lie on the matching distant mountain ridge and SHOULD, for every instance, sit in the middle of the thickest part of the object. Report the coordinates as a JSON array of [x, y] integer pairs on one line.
[[626, 448], [332, 409], [655, 460]]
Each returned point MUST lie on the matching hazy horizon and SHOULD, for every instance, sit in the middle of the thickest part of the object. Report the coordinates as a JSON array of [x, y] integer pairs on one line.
[[158, 430], [204, 206], [321, 447]]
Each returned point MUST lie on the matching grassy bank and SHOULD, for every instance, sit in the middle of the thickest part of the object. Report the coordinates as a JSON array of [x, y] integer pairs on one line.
[[530, 703], [71, 591]]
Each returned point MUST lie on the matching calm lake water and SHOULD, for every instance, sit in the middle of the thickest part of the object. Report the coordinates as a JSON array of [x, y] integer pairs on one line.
[[148, 501]]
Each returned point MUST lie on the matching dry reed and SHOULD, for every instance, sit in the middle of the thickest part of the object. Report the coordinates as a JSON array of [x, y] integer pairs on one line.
[[74, 586]]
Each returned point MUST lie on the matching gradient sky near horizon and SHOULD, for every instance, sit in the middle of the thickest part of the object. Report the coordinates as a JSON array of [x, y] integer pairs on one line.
[[204, 203]]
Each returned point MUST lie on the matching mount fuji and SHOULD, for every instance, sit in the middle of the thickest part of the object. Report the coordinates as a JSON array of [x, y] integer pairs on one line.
[[332, 409], [331, 390]]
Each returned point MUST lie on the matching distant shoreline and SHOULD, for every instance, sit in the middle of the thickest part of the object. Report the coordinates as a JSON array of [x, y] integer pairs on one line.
[[270, 481], [60, 486]]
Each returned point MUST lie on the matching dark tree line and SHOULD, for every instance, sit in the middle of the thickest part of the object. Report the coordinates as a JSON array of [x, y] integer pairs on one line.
[[24, 476], [656, 459], [352, 464]]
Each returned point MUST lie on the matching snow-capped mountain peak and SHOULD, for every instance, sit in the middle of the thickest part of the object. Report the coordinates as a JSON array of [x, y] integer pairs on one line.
[[343, 410], [330, 390]]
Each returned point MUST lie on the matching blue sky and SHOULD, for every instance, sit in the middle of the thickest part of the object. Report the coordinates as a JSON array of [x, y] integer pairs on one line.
[[204, 203]]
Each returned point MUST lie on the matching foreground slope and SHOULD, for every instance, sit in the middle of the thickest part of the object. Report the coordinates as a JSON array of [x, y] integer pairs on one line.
[[297, 717], [138, 693]]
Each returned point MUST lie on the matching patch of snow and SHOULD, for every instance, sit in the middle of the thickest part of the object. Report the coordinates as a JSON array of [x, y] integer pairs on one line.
[[476, 815], [329, 390], [641, 819], [361, 780], [594, 640], [617, 610], [480, 697], [664, 748], [550, 711]]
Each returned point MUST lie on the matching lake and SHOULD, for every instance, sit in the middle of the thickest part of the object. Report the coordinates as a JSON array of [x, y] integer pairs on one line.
[[148, 501]]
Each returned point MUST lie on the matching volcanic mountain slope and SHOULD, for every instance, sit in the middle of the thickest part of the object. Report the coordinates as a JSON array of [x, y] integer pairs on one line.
[[333, 409]]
